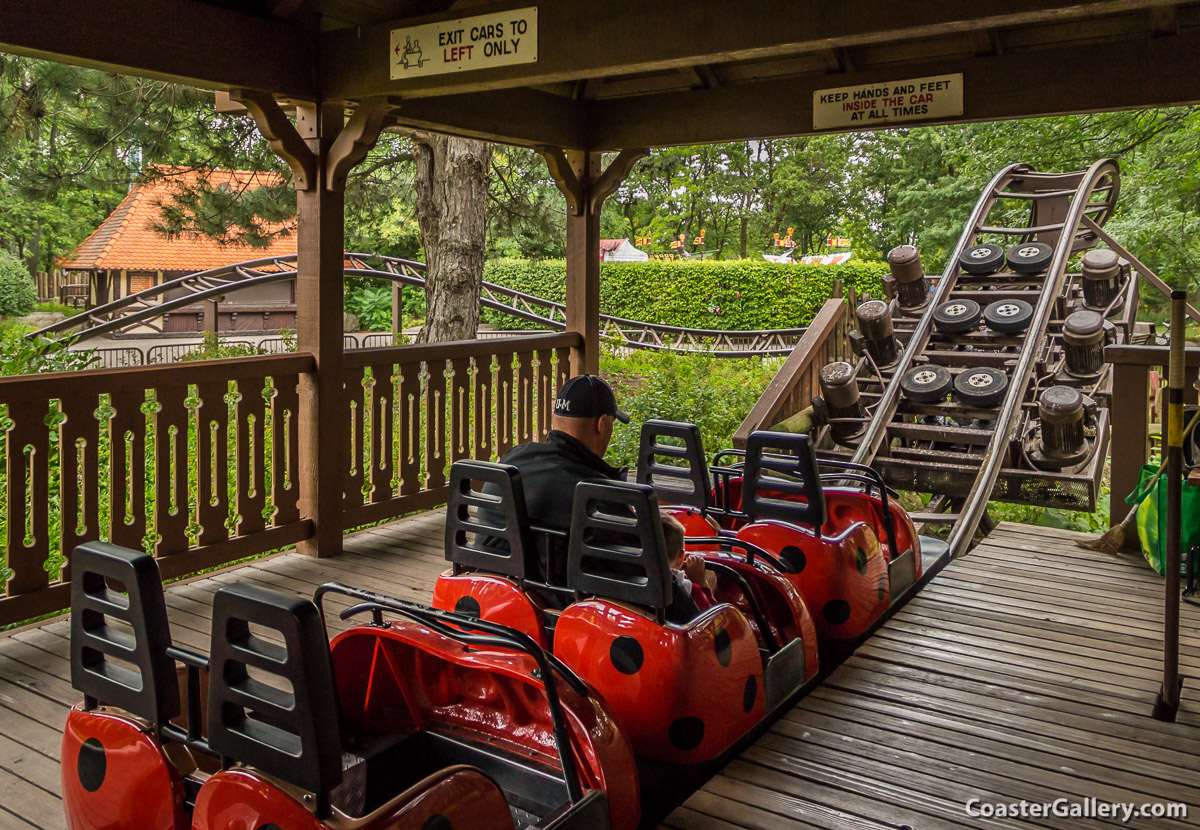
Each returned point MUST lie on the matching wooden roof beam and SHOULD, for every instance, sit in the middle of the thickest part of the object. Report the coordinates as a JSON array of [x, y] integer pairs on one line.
[[172, 40], [523, 117], [1152, 72], [576, 39]]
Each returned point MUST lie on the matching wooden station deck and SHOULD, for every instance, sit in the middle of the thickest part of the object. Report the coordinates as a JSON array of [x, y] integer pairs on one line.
[[1025, 670]]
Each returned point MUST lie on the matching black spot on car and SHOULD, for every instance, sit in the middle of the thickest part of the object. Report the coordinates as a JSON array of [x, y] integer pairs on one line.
[[467, 606], [626, 654], [437, 822], [836, 611], [724, 646], [92, 765], [686, 733], [750, 694], [794, 557]]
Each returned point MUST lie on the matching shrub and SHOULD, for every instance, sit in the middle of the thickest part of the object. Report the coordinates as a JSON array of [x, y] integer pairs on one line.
[[18, 294], [21, 355], [212, 347], [721, 294], [714, 393]]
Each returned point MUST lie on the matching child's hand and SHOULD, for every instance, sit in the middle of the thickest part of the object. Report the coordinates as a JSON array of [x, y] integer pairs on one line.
[[693, 567]]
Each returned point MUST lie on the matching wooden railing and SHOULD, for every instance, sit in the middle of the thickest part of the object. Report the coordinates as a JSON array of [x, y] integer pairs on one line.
[[1130, 411], [795, 384], [194, 463], [197, 463], [415, 410]]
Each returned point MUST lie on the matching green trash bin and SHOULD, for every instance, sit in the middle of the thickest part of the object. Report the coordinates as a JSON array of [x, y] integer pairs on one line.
[[1152, 518]]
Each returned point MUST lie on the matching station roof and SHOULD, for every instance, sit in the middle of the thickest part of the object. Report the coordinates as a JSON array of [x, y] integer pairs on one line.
[[127, 238], [627, 73]]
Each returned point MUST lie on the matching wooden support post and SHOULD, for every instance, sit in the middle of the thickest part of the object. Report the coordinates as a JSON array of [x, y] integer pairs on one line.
[[578, 175], [1131, 444], [321, 148]]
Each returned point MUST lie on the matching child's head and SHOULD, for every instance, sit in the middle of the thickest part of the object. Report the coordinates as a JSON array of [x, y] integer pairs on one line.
[[673, 534]]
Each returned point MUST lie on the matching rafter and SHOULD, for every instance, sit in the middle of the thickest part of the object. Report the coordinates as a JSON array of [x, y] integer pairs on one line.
[[355, 61], [177, 40]]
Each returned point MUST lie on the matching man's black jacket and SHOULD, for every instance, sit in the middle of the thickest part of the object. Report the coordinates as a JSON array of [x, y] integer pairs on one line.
[[549, 472]]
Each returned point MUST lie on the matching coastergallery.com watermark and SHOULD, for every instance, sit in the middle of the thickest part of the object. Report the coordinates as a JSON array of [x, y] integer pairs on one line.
[[1075, 808]]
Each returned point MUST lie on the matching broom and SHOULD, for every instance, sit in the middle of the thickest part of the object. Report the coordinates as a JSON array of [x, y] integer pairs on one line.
[[1114, 539]]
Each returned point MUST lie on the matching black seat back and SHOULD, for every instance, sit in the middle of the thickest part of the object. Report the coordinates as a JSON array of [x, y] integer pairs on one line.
[[616, 548], [500, 514], [782, 463], [119, 640], [676, 471], [272, 705]]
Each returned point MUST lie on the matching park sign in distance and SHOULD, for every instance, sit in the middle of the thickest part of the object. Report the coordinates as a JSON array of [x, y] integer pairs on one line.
[[866, 105], [480, 42]]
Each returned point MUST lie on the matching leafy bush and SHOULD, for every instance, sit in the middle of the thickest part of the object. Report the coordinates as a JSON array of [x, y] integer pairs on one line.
[[714, 393], [722, 294], [212, 347], [372, 304], [18, 294], [20, 355]]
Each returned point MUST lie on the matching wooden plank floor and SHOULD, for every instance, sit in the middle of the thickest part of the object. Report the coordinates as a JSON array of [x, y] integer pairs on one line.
[[401, 559], [1024, 670]]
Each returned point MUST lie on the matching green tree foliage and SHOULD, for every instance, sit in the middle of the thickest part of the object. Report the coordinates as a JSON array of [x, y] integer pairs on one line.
[[713, 392], [737, 294], [18, 294]]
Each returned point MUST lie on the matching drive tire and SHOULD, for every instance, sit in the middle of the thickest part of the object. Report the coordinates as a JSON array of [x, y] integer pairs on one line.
[[957, 316], [926, 384], [1030, 257], [982, 260], [981, 386], [1008, 316]]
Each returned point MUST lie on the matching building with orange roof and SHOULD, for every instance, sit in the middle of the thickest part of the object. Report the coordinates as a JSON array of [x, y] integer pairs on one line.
[[127, 254]]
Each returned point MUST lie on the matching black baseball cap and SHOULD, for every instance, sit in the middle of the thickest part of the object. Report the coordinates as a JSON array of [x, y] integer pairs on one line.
[[587, 396]]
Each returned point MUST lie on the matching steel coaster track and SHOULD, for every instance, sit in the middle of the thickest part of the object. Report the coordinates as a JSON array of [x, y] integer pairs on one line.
[[145, 306], [1068, 196]]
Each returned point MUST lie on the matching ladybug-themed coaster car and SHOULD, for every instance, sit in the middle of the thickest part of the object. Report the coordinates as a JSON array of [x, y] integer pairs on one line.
[[428, 720], [683, 692], [815, 517]]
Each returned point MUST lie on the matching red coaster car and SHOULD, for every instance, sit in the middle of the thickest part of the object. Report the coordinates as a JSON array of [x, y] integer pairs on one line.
[[683, 693], [434, 721], [671, 458]]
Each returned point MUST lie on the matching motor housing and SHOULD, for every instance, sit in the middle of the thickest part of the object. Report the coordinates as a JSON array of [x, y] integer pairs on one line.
[[875, 324], [1062, 438], [1083, 343], [839, 388], [1101, 278], [911, 288]]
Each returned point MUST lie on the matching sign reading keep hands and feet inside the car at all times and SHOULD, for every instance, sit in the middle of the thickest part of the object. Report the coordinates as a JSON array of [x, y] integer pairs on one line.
[[915, 99], [481, 42]]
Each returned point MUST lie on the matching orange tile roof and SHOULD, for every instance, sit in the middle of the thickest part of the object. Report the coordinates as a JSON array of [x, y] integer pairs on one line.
[[127, 238]]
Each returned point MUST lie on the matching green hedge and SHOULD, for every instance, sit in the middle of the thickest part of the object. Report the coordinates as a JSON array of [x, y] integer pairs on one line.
[[722, 294]]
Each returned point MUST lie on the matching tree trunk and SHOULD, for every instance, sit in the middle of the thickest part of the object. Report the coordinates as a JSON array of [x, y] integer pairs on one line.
[[451, 207], [743, 238]]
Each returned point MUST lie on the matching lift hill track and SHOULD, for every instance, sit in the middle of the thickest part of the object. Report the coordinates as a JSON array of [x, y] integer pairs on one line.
[[1042, 437]]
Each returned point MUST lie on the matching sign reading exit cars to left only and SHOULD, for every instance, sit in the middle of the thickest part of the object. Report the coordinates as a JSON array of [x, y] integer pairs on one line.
[[481, 42]]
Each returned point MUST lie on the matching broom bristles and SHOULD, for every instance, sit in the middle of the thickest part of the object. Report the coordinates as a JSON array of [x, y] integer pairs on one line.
[[1114, 540]]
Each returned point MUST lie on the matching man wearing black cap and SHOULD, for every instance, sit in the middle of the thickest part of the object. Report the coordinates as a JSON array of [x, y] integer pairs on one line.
[[580, 431]]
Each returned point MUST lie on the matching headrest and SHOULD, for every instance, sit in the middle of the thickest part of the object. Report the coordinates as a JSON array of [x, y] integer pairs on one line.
[[500, 513], [676, 470], [616, 549], [119, 636], [273, 705], [778, 465]]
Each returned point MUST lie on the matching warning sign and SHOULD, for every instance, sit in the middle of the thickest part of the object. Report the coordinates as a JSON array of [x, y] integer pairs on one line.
[[480, 42], [938, 96]]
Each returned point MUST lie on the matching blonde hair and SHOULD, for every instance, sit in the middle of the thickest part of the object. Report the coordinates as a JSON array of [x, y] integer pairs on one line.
[[673, 533]]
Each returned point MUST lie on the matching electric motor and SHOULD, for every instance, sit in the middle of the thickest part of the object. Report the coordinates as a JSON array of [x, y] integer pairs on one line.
[[875, 324], [1101, 278], [907, 271], [1083, 343]]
